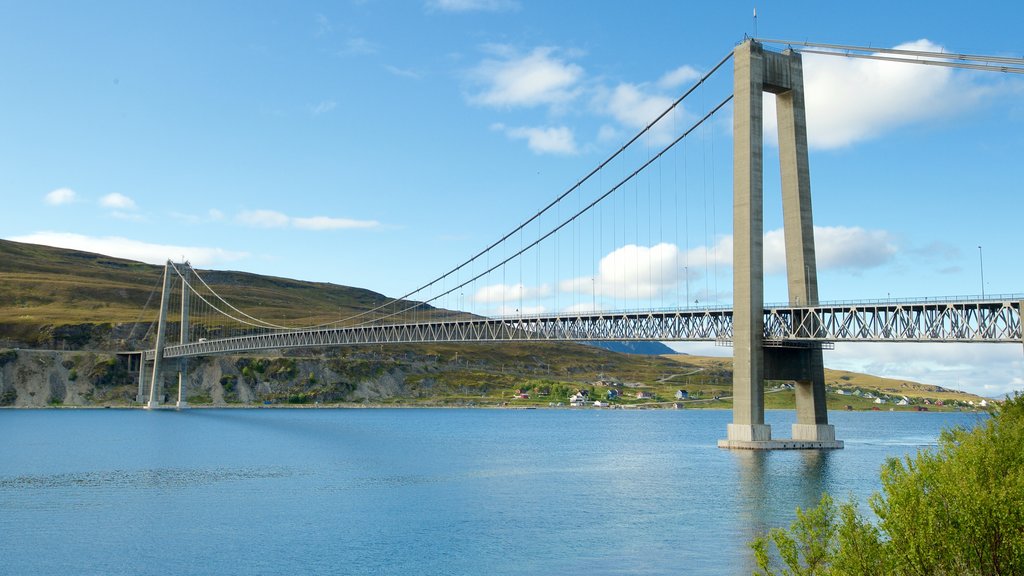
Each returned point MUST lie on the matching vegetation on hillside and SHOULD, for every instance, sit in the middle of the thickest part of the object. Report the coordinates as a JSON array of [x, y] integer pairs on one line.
[[958, 509], [66, 299]]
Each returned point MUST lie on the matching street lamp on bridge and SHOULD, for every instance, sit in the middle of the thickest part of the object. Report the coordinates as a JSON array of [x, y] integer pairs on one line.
[[981, 265]]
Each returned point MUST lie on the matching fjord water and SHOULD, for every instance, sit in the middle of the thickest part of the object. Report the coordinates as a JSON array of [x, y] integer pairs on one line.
[[413, 491]]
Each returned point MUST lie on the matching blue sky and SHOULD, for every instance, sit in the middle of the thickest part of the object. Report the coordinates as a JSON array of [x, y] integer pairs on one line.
[[377, 144]]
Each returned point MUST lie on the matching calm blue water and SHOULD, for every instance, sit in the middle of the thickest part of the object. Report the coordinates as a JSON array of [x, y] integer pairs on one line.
[[411, 491]]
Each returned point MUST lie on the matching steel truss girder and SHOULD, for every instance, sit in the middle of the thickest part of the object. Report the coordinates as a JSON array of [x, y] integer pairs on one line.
[[977, 321]]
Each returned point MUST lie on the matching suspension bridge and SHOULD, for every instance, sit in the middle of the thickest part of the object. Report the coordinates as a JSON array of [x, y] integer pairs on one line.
[[614, 238]]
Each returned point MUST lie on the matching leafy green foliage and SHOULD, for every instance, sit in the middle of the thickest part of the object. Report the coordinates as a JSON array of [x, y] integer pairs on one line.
[[956, 510]]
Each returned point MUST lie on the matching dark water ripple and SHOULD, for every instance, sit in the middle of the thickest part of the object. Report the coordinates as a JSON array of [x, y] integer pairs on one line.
[[150, 478]]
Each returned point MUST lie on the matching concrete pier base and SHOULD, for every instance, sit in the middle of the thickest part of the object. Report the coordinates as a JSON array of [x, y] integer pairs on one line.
[[814, 432], [748, 433], [781, 444]]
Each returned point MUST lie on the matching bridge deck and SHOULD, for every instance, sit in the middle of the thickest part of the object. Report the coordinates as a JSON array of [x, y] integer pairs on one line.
[[990, 320]]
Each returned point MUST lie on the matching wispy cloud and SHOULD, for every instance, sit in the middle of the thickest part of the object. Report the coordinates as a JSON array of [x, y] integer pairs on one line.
[[358, 46], [472, 5], [132, 249], [323, 25], [128, 216], [510, 79], [60, 196], [212, 215], [541, 140], [403, 72], [323, 107], [263, 219], [678, 77], [328, 223], [274, 219], [509, 293], [117, 201]]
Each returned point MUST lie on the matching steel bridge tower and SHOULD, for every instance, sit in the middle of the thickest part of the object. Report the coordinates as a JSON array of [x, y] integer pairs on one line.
[[755, 72]]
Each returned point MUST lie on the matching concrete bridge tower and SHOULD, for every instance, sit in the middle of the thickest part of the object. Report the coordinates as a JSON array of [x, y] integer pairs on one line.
[[757, 71]]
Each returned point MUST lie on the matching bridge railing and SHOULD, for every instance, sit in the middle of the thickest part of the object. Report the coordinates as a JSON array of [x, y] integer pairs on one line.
[[967, 320]]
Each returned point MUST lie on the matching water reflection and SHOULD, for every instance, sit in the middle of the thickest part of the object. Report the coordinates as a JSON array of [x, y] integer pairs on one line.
[[772, 484]]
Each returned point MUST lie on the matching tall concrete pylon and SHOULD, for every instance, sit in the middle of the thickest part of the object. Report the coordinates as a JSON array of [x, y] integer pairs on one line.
[[755, 72], [161, 339], [183, 362]]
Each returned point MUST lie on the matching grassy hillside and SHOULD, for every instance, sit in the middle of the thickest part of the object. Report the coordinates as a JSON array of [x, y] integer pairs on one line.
[[65, 298]]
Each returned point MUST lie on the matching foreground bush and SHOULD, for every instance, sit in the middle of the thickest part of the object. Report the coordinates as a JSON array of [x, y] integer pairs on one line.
[[955, 510]]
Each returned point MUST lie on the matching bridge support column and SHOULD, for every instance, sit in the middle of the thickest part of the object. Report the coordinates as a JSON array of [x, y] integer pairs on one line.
[[141, 396], [748, 261], [183, 362], [755, 72], [161, 339]]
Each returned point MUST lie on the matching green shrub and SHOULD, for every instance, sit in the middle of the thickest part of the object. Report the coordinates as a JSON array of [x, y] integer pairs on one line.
[[958, 509]]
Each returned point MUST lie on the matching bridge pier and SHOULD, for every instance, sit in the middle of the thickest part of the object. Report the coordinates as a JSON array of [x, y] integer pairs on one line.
[[183, 362], [161, 339], [757, 71], [140, 397]]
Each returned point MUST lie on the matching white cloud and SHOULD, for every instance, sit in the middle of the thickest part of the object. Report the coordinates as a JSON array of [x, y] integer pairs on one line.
[[642, 272], [633, 108], [509, 293], [117, 202], [850, 100], [990, 370], [633, 271], [678, 77], [263, 219], [274, 219], [551, 140], [538, 78], [583, 308], [515, 310], [608, 133], [328, 223], [60, 196], [403, 72], [323, 107], [473, 5], [215, 214], [132, 249], [836, 248]]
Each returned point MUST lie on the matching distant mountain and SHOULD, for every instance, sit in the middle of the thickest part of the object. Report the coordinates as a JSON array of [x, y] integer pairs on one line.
[[642, 348]]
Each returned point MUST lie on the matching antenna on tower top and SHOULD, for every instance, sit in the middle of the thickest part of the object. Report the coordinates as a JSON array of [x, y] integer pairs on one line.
[[755, 22]]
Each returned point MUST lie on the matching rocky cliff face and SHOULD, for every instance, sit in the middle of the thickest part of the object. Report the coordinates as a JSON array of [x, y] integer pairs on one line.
[[31, 378]]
